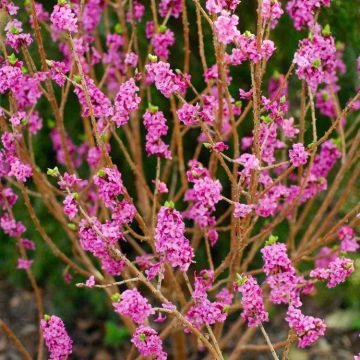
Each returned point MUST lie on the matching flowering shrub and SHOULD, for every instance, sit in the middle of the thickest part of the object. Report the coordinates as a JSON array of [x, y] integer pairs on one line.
[[213, 184]]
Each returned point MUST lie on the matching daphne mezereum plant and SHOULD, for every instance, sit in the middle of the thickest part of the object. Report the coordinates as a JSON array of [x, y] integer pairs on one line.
[[187, 251]]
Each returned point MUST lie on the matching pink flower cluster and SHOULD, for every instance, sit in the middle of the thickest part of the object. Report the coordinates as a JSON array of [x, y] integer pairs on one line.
[[307, 328], [110, 185], [149, 343], [100, 104], [225, 28], [286, 286], [252, 301], [335, 273], [166, 81], [170, 240], [272, 11], [242, 210], [172, 6], [155, 124], [189, 114], [205, 311], [134, 305], [303, 11], [348, 241], [298, 155], [63, 17], [126, 101], [56, 338], [98, 242], [316, 59], [15, 37], [161, 41], [204, 195]]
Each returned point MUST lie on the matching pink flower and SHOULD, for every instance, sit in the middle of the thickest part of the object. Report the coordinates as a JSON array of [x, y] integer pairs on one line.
[[316, 59], [15, 38], [189, 114], [10, 226], [325, 160], [276, 259], [249, 162], [252, 301], [98, 245], [245, 95], [24, 264], [35, 122], [348, 239], [216, 6], [110, 186], [149, 343], [325, 103], [241, 210], [206, 312], [101, 105], [70, 207], [56, 338], [335, 273], [161, 187], [298, 155], [17, 118], [131, 59], [325, 257], [224, 296], [205, 194], [137, 13], [58, 70], [9, 77], [271, 10], [170, 240], [161, 42], [288, 127], [286, 288], [18, 169], [307, 328], [155, 124], [123, 213], [166, 81], [63, 18], [126, 101], [172, 6], [28, 244], [303, 11], [92, 14], [134, 305], [220, 146], [225, 27]]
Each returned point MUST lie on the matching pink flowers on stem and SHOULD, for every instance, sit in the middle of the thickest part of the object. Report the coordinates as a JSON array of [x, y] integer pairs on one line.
[[56, 338], [170, 240], [316, 59], [166, 81], [307, 328], [303, 11], [126, 101], [226, 27], [252, 301], [148, 343], [131, 303], [110, 185], [242, 210], [155, 124], [63, 17], [335, 273], [298, 155]]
